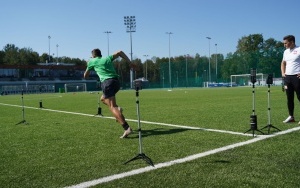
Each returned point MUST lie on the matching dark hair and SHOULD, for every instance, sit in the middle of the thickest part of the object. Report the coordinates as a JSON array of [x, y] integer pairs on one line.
[[96, 53], [289, 38]]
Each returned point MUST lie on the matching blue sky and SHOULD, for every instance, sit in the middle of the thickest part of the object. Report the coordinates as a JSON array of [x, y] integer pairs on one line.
[[78, 26]]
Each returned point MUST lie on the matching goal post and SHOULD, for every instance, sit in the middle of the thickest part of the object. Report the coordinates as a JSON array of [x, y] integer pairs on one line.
[[244, 79], [75, 87]]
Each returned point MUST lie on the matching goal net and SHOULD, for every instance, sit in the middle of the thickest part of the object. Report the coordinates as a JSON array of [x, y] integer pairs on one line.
[[245, 80], [75, 87]]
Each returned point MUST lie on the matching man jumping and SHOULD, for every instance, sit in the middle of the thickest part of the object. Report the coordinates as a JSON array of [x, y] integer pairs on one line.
[[109, 83]]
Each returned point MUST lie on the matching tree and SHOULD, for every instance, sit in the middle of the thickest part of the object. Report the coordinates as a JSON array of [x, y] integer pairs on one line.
[[28, 57], [11, 56], [254, 52], [271, 57], [249, 48], [44, 58], [2, 54]]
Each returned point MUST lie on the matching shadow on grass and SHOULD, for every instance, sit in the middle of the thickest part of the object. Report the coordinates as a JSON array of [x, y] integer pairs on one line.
[[222, 161], [156, 132]]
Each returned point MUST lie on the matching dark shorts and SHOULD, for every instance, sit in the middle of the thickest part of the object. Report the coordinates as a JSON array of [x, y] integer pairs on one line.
[[110, 87]]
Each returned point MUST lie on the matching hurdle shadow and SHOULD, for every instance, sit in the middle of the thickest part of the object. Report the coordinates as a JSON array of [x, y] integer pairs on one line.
[[158, 131]]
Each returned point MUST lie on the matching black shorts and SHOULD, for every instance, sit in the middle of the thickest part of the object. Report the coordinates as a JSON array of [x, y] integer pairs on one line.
[[110, 87]]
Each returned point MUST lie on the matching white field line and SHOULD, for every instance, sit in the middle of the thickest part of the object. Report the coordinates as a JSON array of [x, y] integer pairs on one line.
[[178, 161], [132, 120]]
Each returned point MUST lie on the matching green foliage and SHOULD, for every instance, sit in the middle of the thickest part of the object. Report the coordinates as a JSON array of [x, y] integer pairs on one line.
[[2, 54], [12, 55], [254, 52], [28, 57], [44, 58]]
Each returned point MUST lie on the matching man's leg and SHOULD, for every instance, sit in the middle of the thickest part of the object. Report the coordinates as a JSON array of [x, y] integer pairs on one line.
[[113, 107], [119, 108], [290, 99], [110, 87], [296, 84], [297, 89], [289, 89]]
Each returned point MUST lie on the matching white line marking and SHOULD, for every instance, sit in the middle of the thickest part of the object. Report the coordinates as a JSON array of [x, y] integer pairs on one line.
[[132, 120], [178, 161]]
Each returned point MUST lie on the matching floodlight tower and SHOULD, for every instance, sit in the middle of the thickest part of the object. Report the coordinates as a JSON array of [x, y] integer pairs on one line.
[[130, 24], [216, 62], [108, 32], [56, 53], [170, 81], [209, 76], [49, 37], [186, 77]]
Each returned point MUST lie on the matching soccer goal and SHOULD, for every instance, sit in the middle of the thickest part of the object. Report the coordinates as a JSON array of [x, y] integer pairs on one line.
[[244, 79], [75, 87]]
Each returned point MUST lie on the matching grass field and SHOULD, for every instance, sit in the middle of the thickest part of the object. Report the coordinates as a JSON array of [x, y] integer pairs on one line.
[[195, 138]]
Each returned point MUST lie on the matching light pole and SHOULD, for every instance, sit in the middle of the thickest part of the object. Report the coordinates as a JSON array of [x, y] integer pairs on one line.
[[204, 78], [146, 67], [108, 32], [216, 63], [49, 37], [170, 82], [209, 76], [56, 53], [130, 24], [186, 77]]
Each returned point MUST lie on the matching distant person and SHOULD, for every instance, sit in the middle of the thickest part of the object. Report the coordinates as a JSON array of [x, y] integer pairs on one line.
[[109, 82], [290, 70]]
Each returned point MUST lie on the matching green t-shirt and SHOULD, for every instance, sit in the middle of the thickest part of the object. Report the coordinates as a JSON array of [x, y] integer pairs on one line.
[[103, 66]]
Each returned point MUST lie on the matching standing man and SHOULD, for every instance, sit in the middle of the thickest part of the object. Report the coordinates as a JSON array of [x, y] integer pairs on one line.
[[109, 83], [290, 70]]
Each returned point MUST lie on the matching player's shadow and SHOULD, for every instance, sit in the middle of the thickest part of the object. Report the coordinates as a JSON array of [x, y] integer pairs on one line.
[[159, 131]]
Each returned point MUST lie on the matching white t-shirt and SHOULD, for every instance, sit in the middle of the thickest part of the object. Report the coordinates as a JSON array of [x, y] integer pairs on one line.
[[292, 59]]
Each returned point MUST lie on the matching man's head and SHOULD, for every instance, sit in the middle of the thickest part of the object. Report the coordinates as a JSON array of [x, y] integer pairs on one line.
[[96, 53], [289, 41]]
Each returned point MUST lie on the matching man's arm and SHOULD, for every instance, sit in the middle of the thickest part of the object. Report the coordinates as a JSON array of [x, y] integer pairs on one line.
[[122, 55], [283, 66], [86, 74]]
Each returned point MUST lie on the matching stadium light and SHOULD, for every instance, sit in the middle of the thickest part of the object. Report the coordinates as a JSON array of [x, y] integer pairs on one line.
[[49, 37], [146, 66], [209, 76], [170, 81], [186, 76], [107, 32], [216, 62], [56, 53], [130, 23]]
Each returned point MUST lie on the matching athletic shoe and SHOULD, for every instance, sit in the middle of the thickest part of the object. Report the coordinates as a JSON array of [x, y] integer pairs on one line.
[[126, 133], [121, 110], [289, 119]]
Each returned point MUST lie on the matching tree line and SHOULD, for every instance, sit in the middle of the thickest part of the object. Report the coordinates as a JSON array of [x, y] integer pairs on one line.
[[12, 55], [252, 51]]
